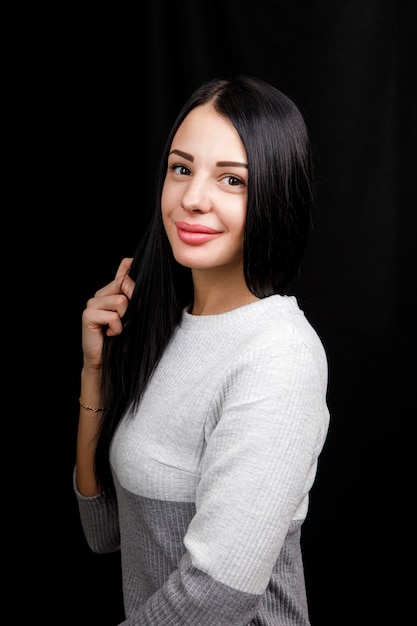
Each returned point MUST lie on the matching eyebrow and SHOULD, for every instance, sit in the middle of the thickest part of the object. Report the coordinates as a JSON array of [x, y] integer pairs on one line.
[[182, 154], [231, 164], [187, 156]]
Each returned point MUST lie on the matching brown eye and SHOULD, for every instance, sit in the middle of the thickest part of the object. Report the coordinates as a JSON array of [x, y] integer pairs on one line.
[[233, 181], [181, 170]]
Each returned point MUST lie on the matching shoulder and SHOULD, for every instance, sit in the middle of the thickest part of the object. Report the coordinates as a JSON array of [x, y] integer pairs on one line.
[[281, 317], [281, 334]]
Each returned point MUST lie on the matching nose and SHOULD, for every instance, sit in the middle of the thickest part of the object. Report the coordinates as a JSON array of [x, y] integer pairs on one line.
[[196, 197]]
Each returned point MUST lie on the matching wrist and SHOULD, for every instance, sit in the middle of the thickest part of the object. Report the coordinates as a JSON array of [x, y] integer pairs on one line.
[[93, 409]]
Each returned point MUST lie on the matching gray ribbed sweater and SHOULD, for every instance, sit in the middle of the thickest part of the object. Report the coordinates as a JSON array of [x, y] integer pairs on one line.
[[213, 472]]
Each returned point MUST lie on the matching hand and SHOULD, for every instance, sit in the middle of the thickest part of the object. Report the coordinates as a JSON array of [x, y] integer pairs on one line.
[[103, 313]]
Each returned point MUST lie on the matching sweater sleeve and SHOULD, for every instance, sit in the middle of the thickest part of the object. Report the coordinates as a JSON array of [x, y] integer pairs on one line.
[[263, 439], [99, 520]]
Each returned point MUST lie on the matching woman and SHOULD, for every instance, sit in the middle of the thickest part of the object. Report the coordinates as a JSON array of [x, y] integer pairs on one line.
[[203, 390]]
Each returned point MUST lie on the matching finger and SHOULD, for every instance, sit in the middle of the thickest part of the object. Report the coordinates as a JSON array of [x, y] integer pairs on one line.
[[116, 303], [95, 320], [127, 286], [123, 284], [124, 266]]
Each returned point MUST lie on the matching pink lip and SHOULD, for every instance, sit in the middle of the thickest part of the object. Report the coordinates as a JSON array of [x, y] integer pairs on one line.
[[195, 234]]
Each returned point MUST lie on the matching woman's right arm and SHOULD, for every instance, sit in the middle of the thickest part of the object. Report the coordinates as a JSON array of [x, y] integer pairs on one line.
[[102, 316]]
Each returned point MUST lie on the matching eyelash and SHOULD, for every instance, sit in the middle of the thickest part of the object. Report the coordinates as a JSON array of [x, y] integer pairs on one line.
[[174, 166]]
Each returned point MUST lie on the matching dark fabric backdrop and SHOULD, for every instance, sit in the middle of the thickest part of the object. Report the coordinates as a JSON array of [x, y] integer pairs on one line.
[[351, 66]]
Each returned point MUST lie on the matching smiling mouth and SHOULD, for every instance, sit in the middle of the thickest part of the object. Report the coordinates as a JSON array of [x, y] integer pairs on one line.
[[195, 234]]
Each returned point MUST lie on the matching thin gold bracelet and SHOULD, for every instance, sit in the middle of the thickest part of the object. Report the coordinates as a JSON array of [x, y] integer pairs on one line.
[[94, 409]]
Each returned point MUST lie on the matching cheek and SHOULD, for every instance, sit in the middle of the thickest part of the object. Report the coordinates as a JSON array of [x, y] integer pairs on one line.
[[169, 199], [238, 220], [164, 198], [166, 212]]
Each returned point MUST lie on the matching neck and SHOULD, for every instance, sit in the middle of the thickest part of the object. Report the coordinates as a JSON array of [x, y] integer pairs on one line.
[[216, 292]]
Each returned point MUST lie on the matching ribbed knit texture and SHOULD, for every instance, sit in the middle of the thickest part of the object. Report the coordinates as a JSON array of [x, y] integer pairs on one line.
[[213, 472]]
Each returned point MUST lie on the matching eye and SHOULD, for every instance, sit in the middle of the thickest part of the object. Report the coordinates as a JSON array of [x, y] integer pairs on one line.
[[232, 181], [181, 170]]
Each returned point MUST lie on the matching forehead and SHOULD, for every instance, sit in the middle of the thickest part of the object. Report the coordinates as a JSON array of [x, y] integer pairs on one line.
[[204, 130]]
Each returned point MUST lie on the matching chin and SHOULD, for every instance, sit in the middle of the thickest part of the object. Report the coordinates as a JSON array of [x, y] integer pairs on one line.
[[192, 264]]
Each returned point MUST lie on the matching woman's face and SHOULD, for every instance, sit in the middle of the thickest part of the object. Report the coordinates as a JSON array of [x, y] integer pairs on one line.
[[204, 196]]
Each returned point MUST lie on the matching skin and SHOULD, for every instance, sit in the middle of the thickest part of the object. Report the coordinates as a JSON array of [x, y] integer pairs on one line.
[[102, 315], [204, 201], [206, 185]]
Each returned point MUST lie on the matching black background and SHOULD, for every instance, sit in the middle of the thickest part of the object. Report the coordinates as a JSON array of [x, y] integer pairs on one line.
[[109, 84]]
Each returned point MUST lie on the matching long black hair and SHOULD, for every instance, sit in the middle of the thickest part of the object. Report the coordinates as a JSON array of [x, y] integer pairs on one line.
[[280, 196]]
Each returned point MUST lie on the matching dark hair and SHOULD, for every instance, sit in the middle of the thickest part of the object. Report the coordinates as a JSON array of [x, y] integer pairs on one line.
[[275, 137]]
